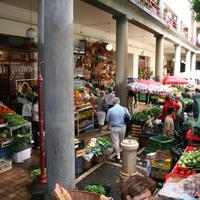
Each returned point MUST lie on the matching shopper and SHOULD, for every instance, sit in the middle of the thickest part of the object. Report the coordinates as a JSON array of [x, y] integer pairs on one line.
[[186, 93], [168, 129], [101, 110], [168, 103], [132, 95], [115, 118], [179, 114], [109, 97], [196, 98], [136, 188], [35, 123]]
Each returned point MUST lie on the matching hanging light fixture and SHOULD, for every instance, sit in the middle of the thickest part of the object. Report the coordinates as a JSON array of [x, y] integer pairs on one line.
[[31, 32], [109, 46]]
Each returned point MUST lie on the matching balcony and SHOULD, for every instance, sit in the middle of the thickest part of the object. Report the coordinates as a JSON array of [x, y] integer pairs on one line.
[[166, 16]]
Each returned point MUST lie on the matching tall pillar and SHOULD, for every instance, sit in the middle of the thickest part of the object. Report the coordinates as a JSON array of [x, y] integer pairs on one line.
[[121, 58], [188, 61], [177, 62], [41, 38], [194, 32], [135, 66], [159, 58], [59, 94], [193, 62]]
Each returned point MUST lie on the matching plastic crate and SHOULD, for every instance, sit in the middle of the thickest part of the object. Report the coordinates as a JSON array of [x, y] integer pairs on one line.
[[160, 143], [5, 152]]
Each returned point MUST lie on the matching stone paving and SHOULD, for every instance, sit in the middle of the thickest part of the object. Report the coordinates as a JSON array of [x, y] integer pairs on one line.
[[17, 184]]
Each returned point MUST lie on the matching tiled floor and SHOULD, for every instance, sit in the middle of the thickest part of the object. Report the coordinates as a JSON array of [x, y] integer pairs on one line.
[[17, 184]]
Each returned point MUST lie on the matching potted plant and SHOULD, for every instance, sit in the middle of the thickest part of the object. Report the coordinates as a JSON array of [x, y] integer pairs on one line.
[[21, 148]]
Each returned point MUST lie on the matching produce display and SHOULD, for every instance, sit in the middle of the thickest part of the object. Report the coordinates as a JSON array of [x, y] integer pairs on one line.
[[2, 161], [192, 185], [1, 120], [99, 145], [99, 189], [20, 142], [13, 119], [4, 135], [141, 118], [190, 161], [187, 101], [5, 110]]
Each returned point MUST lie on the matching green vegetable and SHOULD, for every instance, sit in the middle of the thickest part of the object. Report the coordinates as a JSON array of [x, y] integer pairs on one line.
[[36, 173], [20, 142], [190, 159], [102, 144], [14, 119], [99, 189]]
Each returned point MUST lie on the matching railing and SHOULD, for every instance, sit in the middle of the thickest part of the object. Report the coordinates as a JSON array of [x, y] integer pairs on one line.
[[167, 17]]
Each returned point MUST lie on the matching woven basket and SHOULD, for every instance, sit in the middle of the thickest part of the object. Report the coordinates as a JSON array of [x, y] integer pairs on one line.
[[83, 195]]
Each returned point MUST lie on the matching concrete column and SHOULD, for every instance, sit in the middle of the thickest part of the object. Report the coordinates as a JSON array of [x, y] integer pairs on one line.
[[193, 62], [159, 58], [59, 94], [129, 158], [177, 62], [121, 58], [195, 32], [135, 65], [188, 61]]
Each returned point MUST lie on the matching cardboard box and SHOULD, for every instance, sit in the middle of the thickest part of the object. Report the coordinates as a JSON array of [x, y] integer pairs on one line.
[[162, 161]]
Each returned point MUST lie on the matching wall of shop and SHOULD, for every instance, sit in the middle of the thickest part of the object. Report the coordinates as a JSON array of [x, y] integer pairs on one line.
[[15, 21]]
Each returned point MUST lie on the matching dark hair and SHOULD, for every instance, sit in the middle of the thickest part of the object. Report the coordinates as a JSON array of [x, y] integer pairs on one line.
[[170, 110], [109, 90], [134, 186], [187, 90], [197, 90]]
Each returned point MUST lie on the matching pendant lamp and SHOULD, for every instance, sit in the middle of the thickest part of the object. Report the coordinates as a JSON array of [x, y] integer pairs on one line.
[[31, 32]]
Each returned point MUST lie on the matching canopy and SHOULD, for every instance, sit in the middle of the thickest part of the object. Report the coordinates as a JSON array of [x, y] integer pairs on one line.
[[149, 86], [174, 80]]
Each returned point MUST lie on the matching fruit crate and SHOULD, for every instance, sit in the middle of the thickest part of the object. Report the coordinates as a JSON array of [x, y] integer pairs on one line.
[[160, 143], [136, 130], [6, 166]]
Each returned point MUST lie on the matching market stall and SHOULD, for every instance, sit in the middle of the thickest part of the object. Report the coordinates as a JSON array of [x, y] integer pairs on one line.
[[183, 181], [15, 137]]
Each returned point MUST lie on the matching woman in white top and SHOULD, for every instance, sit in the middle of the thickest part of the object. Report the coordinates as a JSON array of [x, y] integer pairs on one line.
[[35, 123]]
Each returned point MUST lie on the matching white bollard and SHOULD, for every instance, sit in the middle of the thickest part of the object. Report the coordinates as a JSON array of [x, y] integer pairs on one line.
[[129, 158]]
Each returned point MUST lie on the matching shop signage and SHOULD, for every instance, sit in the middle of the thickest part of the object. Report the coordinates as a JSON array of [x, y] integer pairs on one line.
[[21, 68]]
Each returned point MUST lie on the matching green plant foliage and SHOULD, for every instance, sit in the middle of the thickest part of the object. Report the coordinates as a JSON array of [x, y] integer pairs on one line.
[[99, 189], [14, 119], [196, 8], [20, 143]]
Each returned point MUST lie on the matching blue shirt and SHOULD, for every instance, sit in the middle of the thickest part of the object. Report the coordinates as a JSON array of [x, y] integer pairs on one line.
[[115, 115]]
